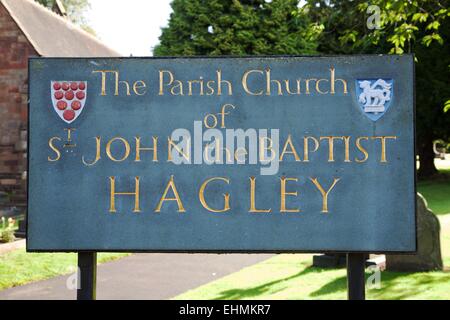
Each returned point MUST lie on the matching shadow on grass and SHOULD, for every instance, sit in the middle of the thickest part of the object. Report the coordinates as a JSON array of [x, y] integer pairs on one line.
[[338, 284], [394, 285], [236, 294], [400, 286]]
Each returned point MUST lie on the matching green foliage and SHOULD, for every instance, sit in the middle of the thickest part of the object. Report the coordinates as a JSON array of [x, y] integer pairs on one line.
[[232, 27], [7, 235], [447, 106], [401, 22], [7, 230]]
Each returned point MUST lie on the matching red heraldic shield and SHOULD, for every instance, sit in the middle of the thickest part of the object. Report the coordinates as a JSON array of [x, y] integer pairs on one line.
[[68, 98]]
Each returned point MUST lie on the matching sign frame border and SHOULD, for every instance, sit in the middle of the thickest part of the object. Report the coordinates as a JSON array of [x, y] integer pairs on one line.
[[226, 251]]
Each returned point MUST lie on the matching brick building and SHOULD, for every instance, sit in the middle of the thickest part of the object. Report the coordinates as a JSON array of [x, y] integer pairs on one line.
[[29, 29]]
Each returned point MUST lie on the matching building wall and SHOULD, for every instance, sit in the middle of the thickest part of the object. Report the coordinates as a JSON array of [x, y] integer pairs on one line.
[[14, 52]]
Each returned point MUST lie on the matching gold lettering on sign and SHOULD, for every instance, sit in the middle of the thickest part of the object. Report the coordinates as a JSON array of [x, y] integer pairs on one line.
[[52, 146], [137, 85], [210, 124], [210, 87], [269, 83], [170, 185], [347, 149], [307, 85], [220, 82], [284, 193], [226, 196], [223, 113], [333, 81], [103, 74], [171, 79], [292, 150], [139, 149], [263, 147], [288, 89], [323, 192], [253, 197], [318, 86], [331, 146], [240, 154], [125, 144], [170, 144], [192, 82], [97, 153], [245, 84], [169, 84], [270, 86], [113, 193], [362, 149], [306, 147], [383, 145], [69, 143]]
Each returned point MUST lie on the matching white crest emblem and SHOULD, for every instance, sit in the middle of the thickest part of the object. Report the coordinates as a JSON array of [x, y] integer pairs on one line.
[[68, 98], [374, 96]]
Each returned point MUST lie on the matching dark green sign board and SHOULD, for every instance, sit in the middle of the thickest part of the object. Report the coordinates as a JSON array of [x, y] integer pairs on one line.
[[273, 154]]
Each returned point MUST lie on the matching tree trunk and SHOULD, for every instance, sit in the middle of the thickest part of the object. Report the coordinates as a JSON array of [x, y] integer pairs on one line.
[[426, 158]]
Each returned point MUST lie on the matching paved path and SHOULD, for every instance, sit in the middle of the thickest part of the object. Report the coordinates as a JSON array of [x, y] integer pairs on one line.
[[11, 246], [143, 276]]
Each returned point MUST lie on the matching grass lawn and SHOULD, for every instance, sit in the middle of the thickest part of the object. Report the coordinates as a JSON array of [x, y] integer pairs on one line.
[[437, 194], [16, 225], [290, 276], [18, 267]]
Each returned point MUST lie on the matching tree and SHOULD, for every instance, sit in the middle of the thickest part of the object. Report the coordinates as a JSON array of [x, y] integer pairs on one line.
[[433, 92], [75, 9], [232, 27], [419, 27]]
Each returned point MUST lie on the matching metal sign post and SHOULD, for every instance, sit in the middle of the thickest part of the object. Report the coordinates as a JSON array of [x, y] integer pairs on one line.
[[355, 276], [87, 268]]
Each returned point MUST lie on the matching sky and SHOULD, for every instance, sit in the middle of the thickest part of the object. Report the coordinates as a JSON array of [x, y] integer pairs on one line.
[[131, 26]]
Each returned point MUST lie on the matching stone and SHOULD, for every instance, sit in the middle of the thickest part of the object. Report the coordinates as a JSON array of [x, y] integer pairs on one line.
[[330, 260], [428, 256], [339, 260], [22, 231]]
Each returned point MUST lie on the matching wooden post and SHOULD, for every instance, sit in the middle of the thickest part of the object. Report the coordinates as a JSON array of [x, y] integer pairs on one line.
[[356, 263], [87, 277]]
